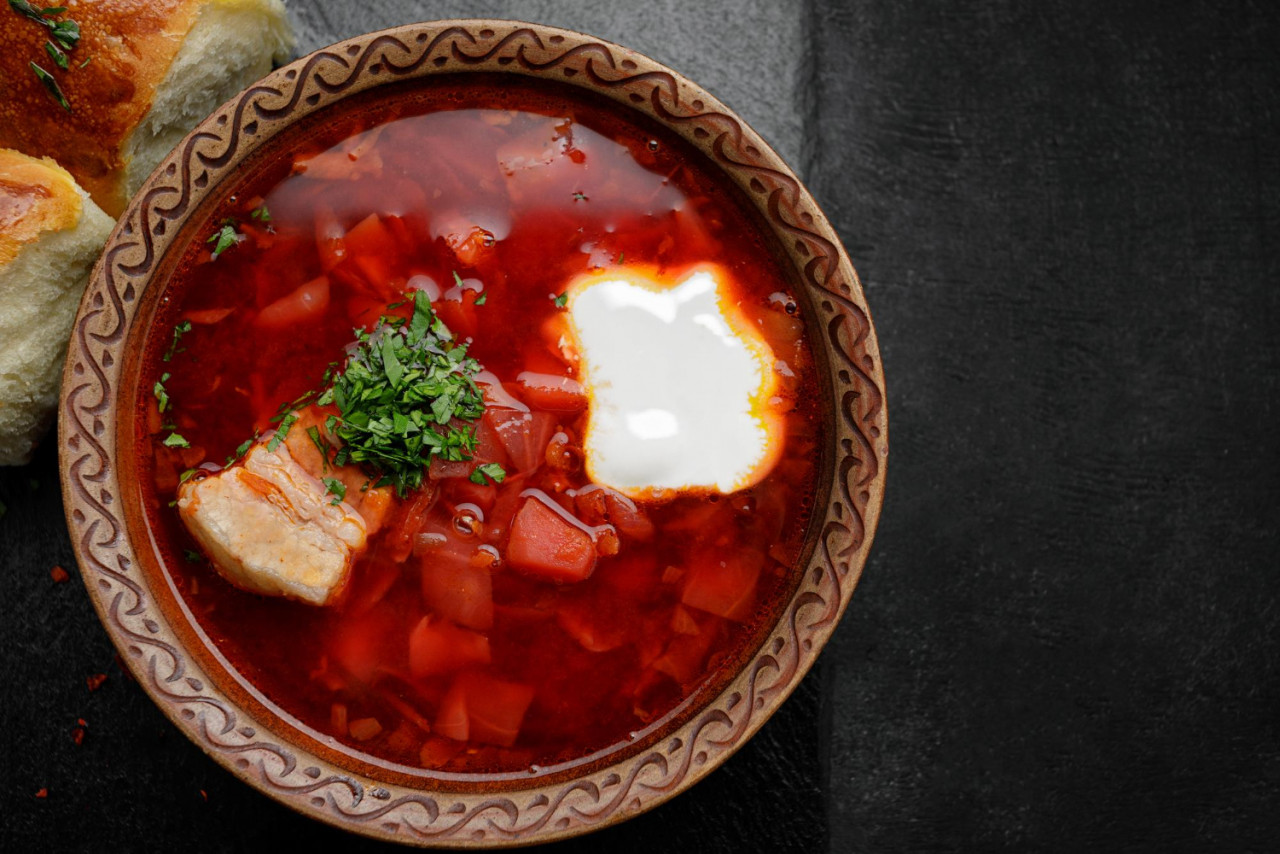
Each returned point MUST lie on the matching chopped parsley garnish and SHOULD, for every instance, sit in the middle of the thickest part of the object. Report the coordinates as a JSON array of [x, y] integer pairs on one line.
[[261, 214], [482, 299], [404, 398], [52, 85], [58, 56], [63, 38], [87, 60], [187, 475], [580, 197], [322, 445], [282, 431], [224, 238], [173, 440], [162, 396], [622, 257], [178, 331], [240, 451], [336, 488], [457, 280], [65, 33], [192, 556], [561, 300], [493, 471]]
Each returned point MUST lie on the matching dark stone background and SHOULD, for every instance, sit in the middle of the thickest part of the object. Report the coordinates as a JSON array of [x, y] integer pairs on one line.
[[1065, 215]]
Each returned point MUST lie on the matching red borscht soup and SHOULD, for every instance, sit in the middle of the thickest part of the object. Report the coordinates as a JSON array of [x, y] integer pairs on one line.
[[504, 613]]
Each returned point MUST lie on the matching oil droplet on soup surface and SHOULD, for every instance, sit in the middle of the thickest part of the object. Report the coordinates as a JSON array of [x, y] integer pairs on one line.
[[678, 382]]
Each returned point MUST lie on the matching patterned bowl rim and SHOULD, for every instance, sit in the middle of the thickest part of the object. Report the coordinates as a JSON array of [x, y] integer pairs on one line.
[[333, 785]]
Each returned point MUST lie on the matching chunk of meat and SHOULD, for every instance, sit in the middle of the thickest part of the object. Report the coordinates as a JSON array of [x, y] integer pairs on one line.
[[270, 527], [373, 504]]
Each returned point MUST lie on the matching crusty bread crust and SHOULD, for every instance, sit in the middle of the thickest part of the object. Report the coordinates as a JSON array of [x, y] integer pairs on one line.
[[132, 43], [50, 234], [131, 46], [36, 195]]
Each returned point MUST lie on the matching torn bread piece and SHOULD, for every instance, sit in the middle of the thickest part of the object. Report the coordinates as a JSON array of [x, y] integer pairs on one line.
[[139, 77], [270, 526], [50, 236]]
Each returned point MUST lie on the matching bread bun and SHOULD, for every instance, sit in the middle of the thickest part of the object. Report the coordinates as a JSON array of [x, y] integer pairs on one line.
[[155, 69], [50, 235]]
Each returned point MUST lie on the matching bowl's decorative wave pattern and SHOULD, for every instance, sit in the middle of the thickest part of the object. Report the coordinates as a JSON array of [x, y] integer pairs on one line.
[[318, 784]]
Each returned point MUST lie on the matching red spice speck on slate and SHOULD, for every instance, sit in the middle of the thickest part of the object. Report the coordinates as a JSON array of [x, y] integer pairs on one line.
[[59, 575], [42, 793], [95, 681], [77, 735]]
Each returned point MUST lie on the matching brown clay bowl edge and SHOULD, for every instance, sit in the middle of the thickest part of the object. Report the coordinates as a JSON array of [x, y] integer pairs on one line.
[[840, 329]]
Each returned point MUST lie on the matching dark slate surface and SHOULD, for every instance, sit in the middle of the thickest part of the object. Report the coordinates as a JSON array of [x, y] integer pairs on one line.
[[1066, 217]]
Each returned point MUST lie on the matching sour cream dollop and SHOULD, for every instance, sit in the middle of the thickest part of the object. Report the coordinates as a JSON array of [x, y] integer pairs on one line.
[[678, 384]]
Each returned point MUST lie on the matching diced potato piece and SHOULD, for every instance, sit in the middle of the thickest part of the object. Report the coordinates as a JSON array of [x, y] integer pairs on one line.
[[270, 527]]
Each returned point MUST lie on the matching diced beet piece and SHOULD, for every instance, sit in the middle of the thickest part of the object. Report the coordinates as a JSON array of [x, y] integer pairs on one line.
[[625, 515], [489, 447], [496, 708], [364, 729], [497, 399], [497, 522], [457, 308], [371, 246], [330, 242], [409, 522], [437, 646], [441, 469], [469, 492], [524, 435], [552, 391], [436, 751], [597, 625], [456, 589], [452, 720], [545, 545], [361, 646], [686, 654], [370, 581], [725, 587], [682, 622]]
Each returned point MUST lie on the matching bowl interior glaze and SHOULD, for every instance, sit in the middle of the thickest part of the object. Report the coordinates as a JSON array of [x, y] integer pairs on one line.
[[182, 670]]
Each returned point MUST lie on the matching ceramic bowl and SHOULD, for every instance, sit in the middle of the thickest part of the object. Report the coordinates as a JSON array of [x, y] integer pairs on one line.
[[223, 714]]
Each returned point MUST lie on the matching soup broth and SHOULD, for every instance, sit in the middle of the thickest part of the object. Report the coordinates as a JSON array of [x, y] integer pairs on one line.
[[487, 198]]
